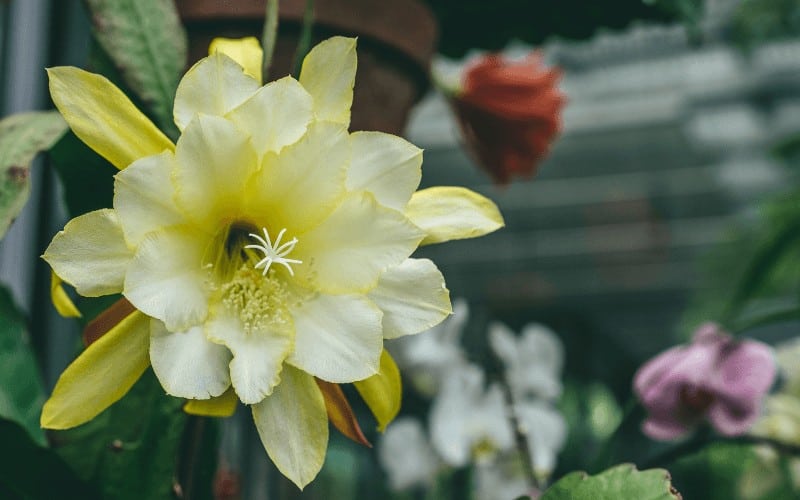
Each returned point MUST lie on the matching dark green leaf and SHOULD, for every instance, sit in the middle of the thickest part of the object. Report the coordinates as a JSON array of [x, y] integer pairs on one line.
[[147, 43], [22, 137], [88, 179], [130, 450], [21, 389], [29, 471], [617, 483], [759, 268]]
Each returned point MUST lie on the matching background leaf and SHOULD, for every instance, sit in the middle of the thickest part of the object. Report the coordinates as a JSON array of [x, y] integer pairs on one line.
[[22, 137], [620, 482], [29, 471], [21, 389], [129, 451], [147, 43]]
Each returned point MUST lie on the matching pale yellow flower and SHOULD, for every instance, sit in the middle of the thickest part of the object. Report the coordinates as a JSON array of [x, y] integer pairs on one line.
[[268, 246]]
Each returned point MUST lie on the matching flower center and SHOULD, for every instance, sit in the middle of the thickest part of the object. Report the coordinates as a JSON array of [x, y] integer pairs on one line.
[[696, 398], [274, 253], [259, 303]]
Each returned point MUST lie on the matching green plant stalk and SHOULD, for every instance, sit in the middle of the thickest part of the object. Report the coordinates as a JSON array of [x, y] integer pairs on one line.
[[269, 36], [602, 459], [304, 45]]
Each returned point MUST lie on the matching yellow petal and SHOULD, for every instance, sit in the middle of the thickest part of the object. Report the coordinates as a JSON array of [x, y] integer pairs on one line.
[[213, 86], [452, 213], [293, 426], [383, 391], [245, 51], [103, 117], [351, 248], [61, 300], [386, 166], [222, 406], [101, 375], [91, 253], [412, 296], [328, 74]]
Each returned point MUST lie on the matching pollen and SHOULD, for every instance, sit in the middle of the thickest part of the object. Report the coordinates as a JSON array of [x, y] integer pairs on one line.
[[274, 253], [258, 301]]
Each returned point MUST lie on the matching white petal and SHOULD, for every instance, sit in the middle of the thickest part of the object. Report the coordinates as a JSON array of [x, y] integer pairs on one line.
[[337, 337], [547, 433], [385, 165], [213, 86], [91, 253], [350, 249], [412, 296], [143, 196], [406, 455], [329, 74], [275, 116], [215, 161], [503, 342], [257, 355], [293, 426], [305, 182], [187, 364], [166, 279]]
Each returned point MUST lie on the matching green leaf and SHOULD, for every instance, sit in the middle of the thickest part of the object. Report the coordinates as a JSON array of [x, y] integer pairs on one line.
[[29, 471], [22, 137], [129, 451], [147, 43], [88, 179], [617, 483], [759, 268], [21, 389]]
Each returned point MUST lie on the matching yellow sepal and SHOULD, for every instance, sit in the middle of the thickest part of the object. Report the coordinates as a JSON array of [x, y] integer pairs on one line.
[[245, 51], [101, 374], [61, 300], [221, 406], [103, 117], [383, 391], [452, 213]]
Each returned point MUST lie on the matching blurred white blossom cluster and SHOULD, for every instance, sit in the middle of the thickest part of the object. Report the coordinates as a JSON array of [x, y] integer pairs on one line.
[[780, 421], [471, 418]]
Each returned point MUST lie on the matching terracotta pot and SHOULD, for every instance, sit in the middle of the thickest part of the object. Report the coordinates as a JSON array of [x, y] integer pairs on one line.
[[397, 39]]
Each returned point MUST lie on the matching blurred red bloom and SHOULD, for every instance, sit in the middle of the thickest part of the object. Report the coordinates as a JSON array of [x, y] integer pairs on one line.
[[509, 113]]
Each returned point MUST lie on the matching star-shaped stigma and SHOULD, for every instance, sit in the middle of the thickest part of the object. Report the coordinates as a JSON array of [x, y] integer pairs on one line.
[[274, 253]]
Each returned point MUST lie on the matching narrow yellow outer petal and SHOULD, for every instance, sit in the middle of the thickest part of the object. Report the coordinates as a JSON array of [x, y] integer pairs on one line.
[[245, 51], [329, 74], [383, 391], [61, 300], [103, 117], [452, 213], [101, 375], [222, 406]]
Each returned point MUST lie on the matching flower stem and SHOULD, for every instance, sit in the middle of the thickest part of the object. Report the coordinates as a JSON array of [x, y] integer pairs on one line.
[[603, 457], [522, 439], [304, 45], [699, 440], [269, 36]]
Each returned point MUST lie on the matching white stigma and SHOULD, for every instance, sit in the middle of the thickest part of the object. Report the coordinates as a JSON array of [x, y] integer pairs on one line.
[[274, 253]]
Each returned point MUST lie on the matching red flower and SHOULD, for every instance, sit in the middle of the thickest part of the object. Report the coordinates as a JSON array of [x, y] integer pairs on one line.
[[509, 113]]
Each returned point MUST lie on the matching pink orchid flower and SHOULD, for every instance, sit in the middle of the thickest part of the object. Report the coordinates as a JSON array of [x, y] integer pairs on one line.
[[715, 378]]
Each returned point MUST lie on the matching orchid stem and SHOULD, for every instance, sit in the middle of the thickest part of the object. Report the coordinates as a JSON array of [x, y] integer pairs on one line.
[[269, 36], [522, 439], [304, 44], [602, 458]]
